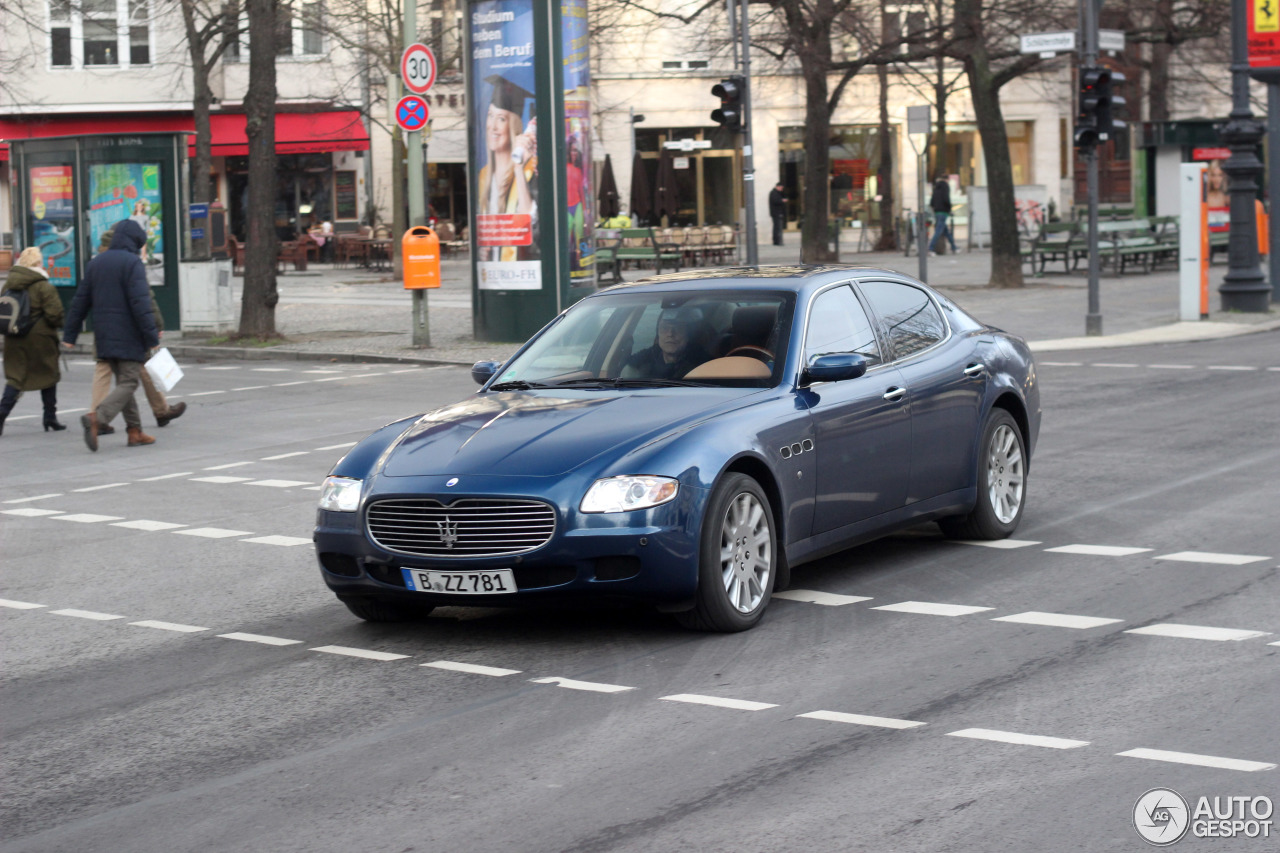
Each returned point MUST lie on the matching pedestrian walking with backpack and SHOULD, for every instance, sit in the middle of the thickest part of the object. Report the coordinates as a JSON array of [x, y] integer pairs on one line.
[[30, 314], [115, 290]]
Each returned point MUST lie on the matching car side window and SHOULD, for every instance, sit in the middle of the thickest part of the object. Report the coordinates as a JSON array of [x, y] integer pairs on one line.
[[911, 320], [837, 323]]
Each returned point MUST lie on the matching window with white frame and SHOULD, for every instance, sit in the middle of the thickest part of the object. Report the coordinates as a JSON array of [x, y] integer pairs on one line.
[[85, 33], [298, 31], [904, 21]]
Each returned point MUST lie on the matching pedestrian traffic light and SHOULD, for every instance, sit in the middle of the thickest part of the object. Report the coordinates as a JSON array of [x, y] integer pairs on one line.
[[730, 92], [1095, 121]]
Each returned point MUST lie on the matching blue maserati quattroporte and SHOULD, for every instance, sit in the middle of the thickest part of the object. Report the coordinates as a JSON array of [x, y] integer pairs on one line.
[[685, 441]]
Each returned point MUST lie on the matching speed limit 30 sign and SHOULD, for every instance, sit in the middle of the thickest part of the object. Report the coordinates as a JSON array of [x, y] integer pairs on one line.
[[418, 68]]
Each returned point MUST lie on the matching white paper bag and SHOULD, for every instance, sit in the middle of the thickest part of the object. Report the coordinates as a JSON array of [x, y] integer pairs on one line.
[[164, 370]]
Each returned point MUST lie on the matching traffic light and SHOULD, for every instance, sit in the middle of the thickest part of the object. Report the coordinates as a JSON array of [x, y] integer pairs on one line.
[[730, 92], [1095, 119]]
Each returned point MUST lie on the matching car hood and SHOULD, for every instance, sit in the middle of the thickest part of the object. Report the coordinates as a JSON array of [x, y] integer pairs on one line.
[[538, 434]]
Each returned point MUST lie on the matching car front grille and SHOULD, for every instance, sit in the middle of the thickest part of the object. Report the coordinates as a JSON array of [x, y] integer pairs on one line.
[[466, 528]]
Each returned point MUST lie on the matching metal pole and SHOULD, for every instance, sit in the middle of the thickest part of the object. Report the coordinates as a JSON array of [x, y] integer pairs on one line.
[[1093, 317], [922, 218], [1243, 287], [748, 161], [1273, 187], [416, 188]]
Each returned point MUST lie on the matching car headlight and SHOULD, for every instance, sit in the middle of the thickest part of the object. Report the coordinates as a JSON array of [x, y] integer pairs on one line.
[[340, 494], [620, 494]]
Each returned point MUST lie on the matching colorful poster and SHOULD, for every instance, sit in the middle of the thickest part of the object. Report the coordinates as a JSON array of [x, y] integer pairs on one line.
[[53, 221], [577, 116], [120, 191], [506, 145]]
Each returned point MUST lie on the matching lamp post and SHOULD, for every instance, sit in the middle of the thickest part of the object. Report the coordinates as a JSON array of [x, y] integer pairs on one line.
[[1244, 288]]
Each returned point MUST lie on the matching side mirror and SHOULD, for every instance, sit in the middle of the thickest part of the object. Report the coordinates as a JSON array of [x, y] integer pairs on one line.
[[835, 367], [482, 371]]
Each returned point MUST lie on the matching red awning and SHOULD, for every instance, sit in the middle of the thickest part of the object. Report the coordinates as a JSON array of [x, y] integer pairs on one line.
[[296, 133]]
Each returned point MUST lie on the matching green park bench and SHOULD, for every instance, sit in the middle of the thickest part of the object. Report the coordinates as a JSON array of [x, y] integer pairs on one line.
[[1055, 242], [614, 247]]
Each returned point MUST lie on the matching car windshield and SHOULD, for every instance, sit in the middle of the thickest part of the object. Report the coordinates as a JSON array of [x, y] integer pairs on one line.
[[657, 339]]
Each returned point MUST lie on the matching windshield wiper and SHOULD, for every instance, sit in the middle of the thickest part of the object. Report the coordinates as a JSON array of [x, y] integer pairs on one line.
[[519, 385], [659, 383]]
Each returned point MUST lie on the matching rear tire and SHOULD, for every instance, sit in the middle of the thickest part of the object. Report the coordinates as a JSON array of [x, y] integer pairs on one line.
[[372, 609], [738, 560], [1001, 482]]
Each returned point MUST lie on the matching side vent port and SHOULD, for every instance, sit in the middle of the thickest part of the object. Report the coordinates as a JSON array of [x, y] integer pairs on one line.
[[617, 568], [340, 564]]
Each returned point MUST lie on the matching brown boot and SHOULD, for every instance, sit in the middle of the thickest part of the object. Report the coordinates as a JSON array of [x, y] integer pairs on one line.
[[137, 437], [90, 424]]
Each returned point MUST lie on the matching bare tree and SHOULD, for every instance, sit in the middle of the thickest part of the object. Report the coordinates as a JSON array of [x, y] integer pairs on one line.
[[209, 31], [1167, 25], [258, 302]]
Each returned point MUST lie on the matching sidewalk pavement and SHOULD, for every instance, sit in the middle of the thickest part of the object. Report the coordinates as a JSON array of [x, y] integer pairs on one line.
[[364, 316]]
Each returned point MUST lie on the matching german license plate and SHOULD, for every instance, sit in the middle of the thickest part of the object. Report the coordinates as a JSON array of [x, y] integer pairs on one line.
[[463, 583]]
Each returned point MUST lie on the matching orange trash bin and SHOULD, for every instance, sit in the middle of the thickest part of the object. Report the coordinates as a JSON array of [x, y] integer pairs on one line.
[[420, 248]]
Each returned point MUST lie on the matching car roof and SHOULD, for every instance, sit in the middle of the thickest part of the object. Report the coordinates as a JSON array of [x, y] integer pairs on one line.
[[793, 277]]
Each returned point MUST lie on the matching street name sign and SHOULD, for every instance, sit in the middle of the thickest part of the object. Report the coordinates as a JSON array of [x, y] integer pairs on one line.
[[1048, 43], [418, 68], [412, 112]]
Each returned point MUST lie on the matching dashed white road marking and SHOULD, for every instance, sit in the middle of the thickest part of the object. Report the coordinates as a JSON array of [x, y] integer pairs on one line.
[[88, 517], [1172, 366], [221, 478], [31, 511], [166, 477], [148, 524], [1197, 760], [287, 384], [719, 702], [861, 720], [213, 532], [1217, 559], [1111, 364], [280, 484], [285, 455], [1097, 550], [19, 605], [999, 544], [1019, 738], [251, 388], [1231, 367], [223, 367], [1057, 620], [322, 371], [929, 608], [407, 370], [205, 393], [474, 669], [100, 488], [331, 379], [1198, 632], [260, 638], [590, 686], [286, 541], [227, 465], [342, 446], [810, 596], [36, 498], [169, 626], [367, 654], [272, 370], [86, 614]]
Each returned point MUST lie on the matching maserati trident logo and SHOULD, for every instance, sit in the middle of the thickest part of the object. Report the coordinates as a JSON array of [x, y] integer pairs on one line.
[[448, 532]]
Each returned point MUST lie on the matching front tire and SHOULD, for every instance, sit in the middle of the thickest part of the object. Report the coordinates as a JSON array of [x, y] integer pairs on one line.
[[1002, 483], [373, 609], [738, 559]]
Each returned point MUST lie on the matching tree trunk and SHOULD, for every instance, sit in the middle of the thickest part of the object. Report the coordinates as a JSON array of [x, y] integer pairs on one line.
[[1158, 75], [815, 62], [888, 241], [1006, 254], [201, 97], [258, 302]]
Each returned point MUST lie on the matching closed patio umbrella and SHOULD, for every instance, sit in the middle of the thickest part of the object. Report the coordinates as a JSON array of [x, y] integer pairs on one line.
[[608, 195], [666, 195], [641, 195]]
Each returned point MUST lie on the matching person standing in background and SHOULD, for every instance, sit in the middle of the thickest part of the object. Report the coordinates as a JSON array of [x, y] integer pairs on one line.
[[31, 362], [940, 202], [115, 291], [778, 212]]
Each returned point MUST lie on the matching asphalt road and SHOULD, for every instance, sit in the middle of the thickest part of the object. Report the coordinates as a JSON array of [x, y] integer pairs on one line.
[[176, 677]]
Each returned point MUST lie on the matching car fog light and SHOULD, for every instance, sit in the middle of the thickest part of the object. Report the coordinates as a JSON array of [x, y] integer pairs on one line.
[[340, 494], [620, 494]]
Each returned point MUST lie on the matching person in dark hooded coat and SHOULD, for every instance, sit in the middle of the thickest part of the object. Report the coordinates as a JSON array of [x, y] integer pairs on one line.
[[115, 291], [31, 363]]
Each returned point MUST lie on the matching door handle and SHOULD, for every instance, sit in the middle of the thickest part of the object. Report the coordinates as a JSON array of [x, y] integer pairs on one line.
[[895, 394], [975, 369]]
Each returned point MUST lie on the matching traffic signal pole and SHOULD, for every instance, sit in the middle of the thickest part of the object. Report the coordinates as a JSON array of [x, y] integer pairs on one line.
[[748, 159], [1093, 317]]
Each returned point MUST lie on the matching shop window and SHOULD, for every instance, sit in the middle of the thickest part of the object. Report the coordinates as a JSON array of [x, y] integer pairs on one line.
[[85, 33]]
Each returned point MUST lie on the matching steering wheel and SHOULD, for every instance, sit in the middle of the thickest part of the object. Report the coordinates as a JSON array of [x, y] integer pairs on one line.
[[751, 352]]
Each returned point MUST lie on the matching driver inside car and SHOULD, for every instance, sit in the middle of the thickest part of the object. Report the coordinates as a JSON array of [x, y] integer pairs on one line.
[[674, 352]]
